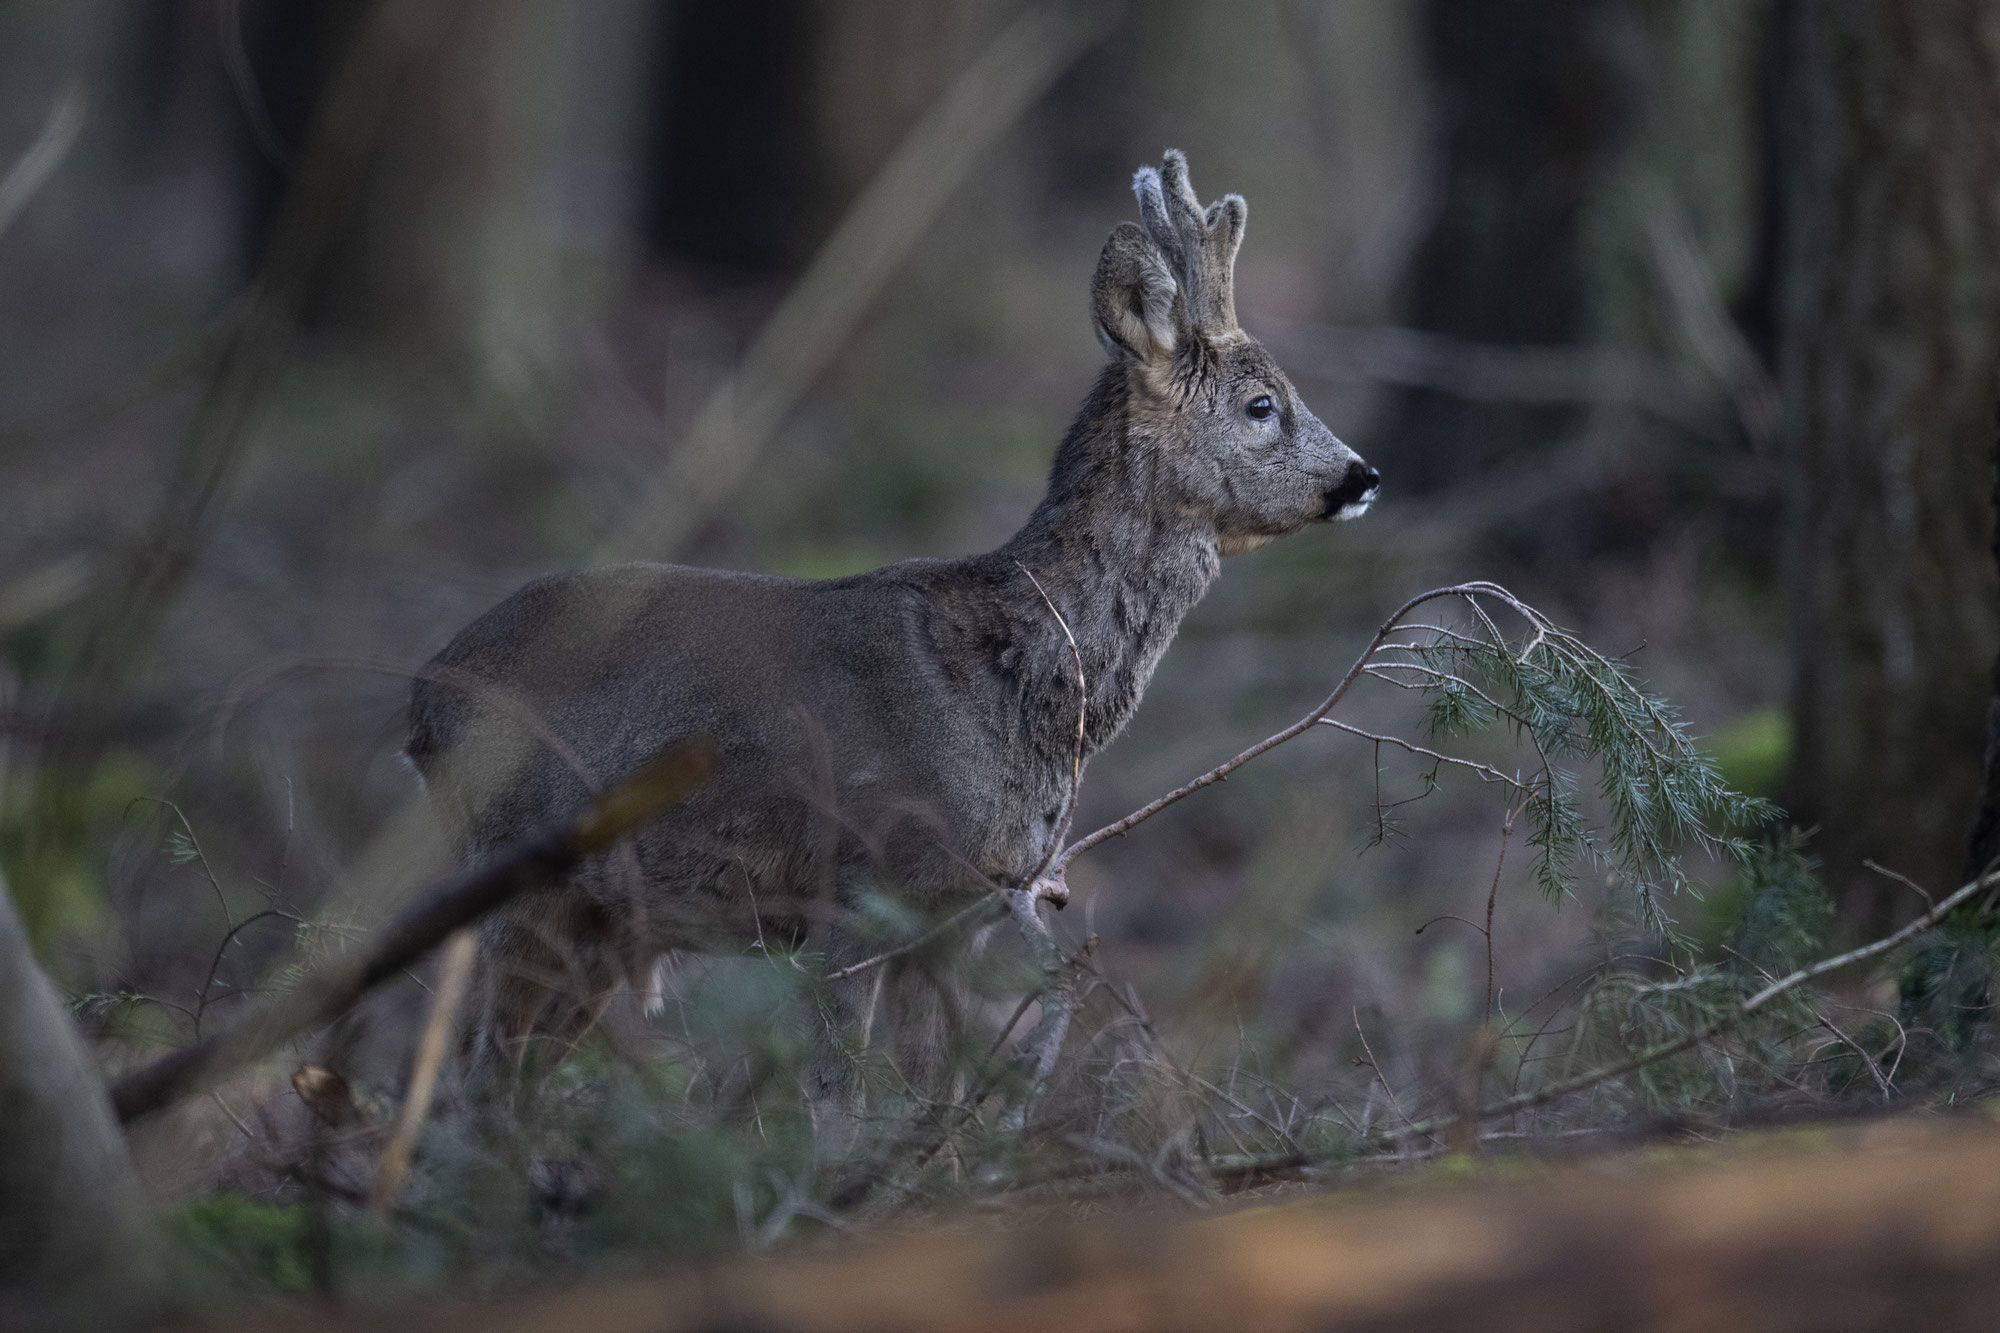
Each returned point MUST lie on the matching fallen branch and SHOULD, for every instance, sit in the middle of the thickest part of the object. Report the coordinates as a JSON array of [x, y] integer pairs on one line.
[[531, 862], [1662, 1050]]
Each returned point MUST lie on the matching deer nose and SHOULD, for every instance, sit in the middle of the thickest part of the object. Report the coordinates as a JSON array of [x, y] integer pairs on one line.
[[1354, 494]]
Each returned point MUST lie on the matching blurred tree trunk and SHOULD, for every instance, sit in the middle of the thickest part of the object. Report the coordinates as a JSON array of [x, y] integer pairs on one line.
[[752, 162], [1890, 338], [447, 249], [1983, 849], [1532, 117], [730, 171], [72, 1231]]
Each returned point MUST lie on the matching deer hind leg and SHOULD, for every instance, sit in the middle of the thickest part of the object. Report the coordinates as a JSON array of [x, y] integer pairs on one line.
[[923, 1005], [835, 1095]]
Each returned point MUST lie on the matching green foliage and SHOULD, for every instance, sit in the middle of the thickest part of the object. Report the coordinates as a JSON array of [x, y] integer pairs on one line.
[[225, 1243], [229, 1240], [682, 1193], [127, 1016], [314, 943], [69, 894], [1946, 987], [1572, 704], [674, 1158], [1785, 914], [1780, 924], [1755, 751]]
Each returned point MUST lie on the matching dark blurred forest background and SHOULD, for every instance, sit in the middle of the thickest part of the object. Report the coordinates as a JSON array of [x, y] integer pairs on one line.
[[324, 325]]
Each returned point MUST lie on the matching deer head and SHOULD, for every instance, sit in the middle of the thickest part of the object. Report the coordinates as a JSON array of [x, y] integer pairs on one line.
[[1233, 443]]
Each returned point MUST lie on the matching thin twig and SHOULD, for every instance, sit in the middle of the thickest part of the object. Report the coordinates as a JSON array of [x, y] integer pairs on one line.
[[1076, 757], [911, 946], [452, 980], [203, 997], [1448, 916], [1383, 1078], [1492, 896], [1118, 828], [1874, 1070], [194, 846], [1901, 879], [234, 1118], [1485, 772]]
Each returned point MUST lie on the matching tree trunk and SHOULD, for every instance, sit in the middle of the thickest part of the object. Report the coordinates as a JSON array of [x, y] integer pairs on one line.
[[1890, 336], [1983, 849], [446, 250], [1532, 117], [72, 1230]]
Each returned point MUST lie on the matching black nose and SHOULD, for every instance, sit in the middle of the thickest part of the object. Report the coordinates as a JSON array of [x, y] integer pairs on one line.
[[1353, 487]]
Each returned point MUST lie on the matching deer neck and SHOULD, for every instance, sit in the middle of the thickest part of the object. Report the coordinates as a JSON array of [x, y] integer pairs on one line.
[[1118, 565]]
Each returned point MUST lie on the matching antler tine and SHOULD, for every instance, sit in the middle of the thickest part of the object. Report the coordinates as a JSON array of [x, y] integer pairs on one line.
[[1158, 221], [1183, 205], [1199, 244]]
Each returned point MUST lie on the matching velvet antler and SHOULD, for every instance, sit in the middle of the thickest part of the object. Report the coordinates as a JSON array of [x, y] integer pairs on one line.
[[1200, 244]]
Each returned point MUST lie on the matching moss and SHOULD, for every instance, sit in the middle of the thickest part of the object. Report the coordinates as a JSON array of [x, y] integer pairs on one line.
[[69, 896], [229, 1241], [1754, 751]]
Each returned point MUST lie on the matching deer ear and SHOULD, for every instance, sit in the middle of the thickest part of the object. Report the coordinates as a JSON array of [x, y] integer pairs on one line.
[[1134, 298]]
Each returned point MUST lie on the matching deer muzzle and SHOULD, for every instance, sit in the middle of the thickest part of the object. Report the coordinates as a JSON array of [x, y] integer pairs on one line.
[[1356, 491]]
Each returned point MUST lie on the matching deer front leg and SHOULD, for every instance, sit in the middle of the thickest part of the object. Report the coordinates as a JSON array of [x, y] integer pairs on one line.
[[835, 1093]]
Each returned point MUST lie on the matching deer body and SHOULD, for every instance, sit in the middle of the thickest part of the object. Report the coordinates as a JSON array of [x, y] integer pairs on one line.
[[914, 729]]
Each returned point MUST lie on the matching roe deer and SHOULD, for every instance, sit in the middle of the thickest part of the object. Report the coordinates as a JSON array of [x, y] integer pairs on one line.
[[913, 729]]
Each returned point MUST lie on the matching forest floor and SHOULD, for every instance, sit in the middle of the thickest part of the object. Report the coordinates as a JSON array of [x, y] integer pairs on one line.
[[1888, 1222]]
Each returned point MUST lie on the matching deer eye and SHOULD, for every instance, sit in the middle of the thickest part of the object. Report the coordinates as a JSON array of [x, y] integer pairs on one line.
[[1260, 407]]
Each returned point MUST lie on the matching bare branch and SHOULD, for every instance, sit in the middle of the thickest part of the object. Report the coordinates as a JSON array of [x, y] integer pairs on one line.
[[1901, 879], [1702, 313], [1486, 772], [1118, 828], [533, 861]]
